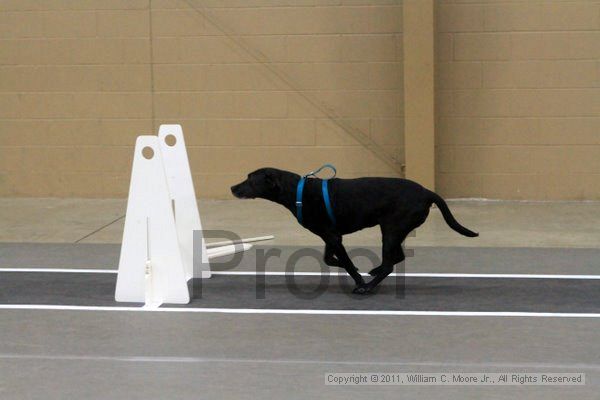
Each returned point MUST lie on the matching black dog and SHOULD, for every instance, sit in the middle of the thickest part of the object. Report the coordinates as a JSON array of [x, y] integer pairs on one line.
[[398, 206]]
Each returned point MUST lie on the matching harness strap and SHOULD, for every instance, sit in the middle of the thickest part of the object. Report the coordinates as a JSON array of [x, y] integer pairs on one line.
[[299, 191], [324, 189]]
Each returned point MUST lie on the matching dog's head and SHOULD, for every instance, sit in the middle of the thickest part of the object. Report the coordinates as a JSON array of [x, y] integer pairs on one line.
[[263, 183]]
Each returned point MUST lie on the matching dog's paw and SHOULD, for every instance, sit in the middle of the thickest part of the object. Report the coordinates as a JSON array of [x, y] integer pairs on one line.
[[375, 271], [363, 289]]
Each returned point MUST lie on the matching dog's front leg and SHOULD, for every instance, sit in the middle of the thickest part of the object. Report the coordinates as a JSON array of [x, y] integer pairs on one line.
[[329, 257], [336, 246]]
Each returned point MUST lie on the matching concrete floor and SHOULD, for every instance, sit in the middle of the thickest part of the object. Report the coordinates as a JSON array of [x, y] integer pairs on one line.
[[58, 354], [500, 224]]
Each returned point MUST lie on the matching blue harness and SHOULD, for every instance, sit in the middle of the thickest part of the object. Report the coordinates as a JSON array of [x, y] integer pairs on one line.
[[324, 189]]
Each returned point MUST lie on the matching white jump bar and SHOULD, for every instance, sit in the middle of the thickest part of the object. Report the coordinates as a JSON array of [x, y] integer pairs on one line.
[[227, 250], [247, 240]]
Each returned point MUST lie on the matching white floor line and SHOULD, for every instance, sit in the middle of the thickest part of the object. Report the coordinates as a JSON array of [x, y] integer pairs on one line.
[[61, 270], [332, 273], [47, 307], [198, 360], [418, 274]]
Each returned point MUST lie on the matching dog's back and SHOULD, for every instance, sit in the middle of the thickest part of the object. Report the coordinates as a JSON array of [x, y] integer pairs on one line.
[[366, 202]]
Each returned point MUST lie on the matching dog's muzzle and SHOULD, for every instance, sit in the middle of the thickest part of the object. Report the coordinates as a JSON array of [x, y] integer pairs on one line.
[[240, 192]]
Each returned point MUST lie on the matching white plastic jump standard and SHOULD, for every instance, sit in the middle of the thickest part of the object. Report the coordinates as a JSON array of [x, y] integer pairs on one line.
[[157, 253], [151, 268], [181, 190]]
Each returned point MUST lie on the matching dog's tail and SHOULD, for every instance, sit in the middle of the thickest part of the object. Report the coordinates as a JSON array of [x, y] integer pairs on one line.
[[449, 218]]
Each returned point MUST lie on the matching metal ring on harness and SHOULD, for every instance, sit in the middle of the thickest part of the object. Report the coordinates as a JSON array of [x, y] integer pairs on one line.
[[322, 167]]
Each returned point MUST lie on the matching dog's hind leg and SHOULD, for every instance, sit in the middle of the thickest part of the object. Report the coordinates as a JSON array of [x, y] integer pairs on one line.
[[376, 270], [392, 254], [386, 268], [399, 234]]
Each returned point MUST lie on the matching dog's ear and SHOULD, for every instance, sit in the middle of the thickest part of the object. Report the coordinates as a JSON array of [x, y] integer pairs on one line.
[[272, 182]]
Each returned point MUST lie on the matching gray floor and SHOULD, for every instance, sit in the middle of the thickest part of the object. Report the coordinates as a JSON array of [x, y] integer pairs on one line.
[[65, 354], [108, 355], [511, 260], [322, 293], [55, 354]]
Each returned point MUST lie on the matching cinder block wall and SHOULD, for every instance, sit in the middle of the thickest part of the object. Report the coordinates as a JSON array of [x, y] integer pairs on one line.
[[254, 83], [518, 99]]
